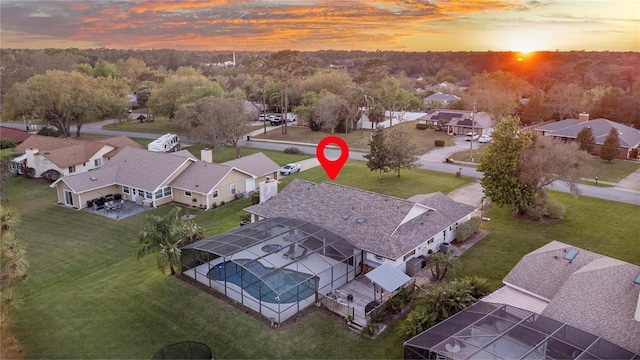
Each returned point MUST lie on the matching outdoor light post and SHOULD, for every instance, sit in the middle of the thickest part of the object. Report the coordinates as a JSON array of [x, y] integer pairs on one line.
[[473, 112], [596, 181]]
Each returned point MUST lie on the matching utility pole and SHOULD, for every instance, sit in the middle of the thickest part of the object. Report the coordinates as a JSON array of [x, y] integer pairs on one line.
[[473, 112]]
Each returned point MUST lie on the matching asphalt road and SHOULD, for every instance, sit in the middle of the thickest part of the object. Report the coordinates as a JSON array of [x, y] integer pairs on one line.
[[607, 193]]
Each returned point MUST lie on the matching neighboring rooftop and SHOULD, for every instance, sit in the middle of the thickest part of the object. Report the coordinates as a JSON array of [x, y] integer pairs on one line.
[[570, 128], [592, 292], [257, 164], [16, 135]]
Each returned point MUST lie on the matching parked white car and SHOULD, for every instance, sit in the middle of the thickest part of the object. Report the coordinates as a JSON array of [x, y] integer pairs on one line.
[[485, 139], [290, 169], [469, 136]]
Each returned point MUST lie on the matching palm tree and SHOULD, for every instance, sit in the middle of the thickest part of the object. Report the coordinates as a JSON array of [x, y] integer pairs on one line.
[[8, 218], [164, 236], [441, 264], [12, 259]]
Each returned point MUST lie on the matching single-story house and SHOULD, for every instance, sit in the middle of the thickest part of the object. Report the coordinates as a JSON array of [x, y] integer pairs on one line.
[[51, 157], [438, 100], [567, 130], [312, 239], [259, 165], [155, 179], [591, 292], [458, 122], [388, 229]]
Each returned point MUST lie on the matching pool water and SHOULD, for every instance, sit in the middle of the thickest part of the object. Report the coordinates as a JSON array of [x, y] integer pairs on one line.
[[278, 285]]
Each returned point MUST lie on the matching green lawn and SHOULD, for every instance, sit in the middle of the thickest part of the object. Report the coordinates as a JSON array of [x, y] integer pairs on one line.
[[424, 139], [226, 153], [87, 296], [601, 226]]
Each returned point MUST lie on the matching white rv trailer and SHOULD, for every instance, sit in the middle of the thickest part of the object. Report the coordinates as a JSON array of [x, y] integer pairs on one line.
[[165, 143]]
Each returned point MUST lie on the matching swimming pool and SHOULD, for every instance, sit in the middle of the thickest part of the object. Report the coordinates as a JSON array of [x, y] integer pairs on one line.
[[282, 285]]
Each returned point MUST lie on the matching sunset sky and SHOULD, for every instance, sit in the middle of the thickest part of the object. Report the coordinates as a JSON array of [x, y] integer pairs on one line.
[[402, 25]]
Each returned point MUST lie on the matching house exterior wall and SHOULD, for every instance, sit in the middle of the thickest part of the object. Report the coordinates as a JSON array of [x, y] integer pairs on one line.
[[180, 197], [80, 200], [224, 187], [41, 164]]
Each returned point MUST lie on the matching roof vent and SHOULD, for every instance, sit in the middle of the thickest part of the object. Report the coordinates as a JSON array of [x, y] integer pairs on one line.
[[571, 254], [345, 216], [93, 178], [361, 220]]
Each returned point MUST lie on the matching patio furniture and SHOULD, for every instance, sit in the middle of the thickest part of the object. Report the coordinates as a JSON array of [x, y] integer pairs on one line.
[[108, 197], [117, 197], [290, 252]]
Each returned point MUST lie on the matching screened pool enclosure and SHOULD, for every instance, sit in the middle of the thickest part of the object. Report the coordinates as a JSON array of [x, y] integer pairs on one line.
[[274, 266]]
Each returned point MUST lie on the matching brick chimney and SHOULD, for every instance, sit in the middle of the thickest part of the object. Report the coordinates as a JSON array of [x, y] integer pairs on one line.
[[583, 117], [206, 155]]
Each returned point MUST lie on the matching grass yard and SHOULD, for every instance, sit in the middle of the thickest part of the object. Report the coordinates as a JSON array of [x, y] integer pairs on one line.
[[226, 153], [424, 139], [601, 226], [161, 125], [87, 296]]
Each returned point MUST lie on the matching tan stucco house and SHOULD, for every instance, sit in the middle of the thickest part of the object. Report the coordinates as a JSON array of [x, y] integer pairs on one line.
[[154, 179]]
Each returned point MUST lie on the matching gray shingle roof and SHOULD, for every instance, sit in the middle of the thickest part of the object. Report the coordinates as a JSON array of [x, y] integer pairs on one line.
[[629, 137], [132, 167], [594, 292], [257, 164], [440, 97], [382, 232], [201, 177]]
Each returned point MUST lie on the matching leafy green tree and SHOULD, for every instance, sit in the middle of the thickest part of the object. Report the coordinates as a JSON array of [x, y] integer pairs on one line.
[[401, 150], [372, 71], [500, 163], [106, 69], [377, 155], [393, 96], [182, 82], [65, 98], [164, 235], [307, 108], [441, 264], [212, 89], [585, 139], [611, 145]]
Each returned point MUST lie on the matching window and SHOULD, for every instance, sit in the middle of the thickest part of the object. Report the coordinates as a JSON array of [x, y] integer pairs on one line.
[[96, 162], [167, 191], [410, 253], [233, 189], [430, 241], [158, 194], [148, 195], [125, 189], [140, 192], [72, 169], [187, 193], [215, 193]]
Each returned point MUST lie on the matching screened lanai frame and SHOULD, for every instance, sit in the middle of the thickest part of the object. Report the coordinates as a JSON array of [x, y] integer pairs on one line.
[[496, 331], [275, 266]]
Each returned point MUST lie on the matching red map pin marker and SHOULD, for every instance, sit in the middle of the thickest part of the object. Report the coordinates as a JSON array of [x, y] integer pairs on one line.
[[332, 167]]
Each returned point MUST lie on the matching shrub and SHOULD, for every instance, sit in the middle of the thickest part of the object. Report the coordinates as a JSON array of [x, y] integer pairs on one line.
[[47, 131], [245, 217], [370, 329], [535, 212], [222, 203], [555, 210], [214, 205], [439, 143], [255, 197], [292, 150], [6, 143], [466, 230], [422, 126]]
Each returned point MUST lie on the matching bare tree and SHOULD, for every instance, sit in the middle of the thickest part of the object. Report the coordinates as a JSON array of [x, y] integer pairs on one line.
[[330, 111], [565, 99], [497, 93], [214, 121], [548, 160]]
